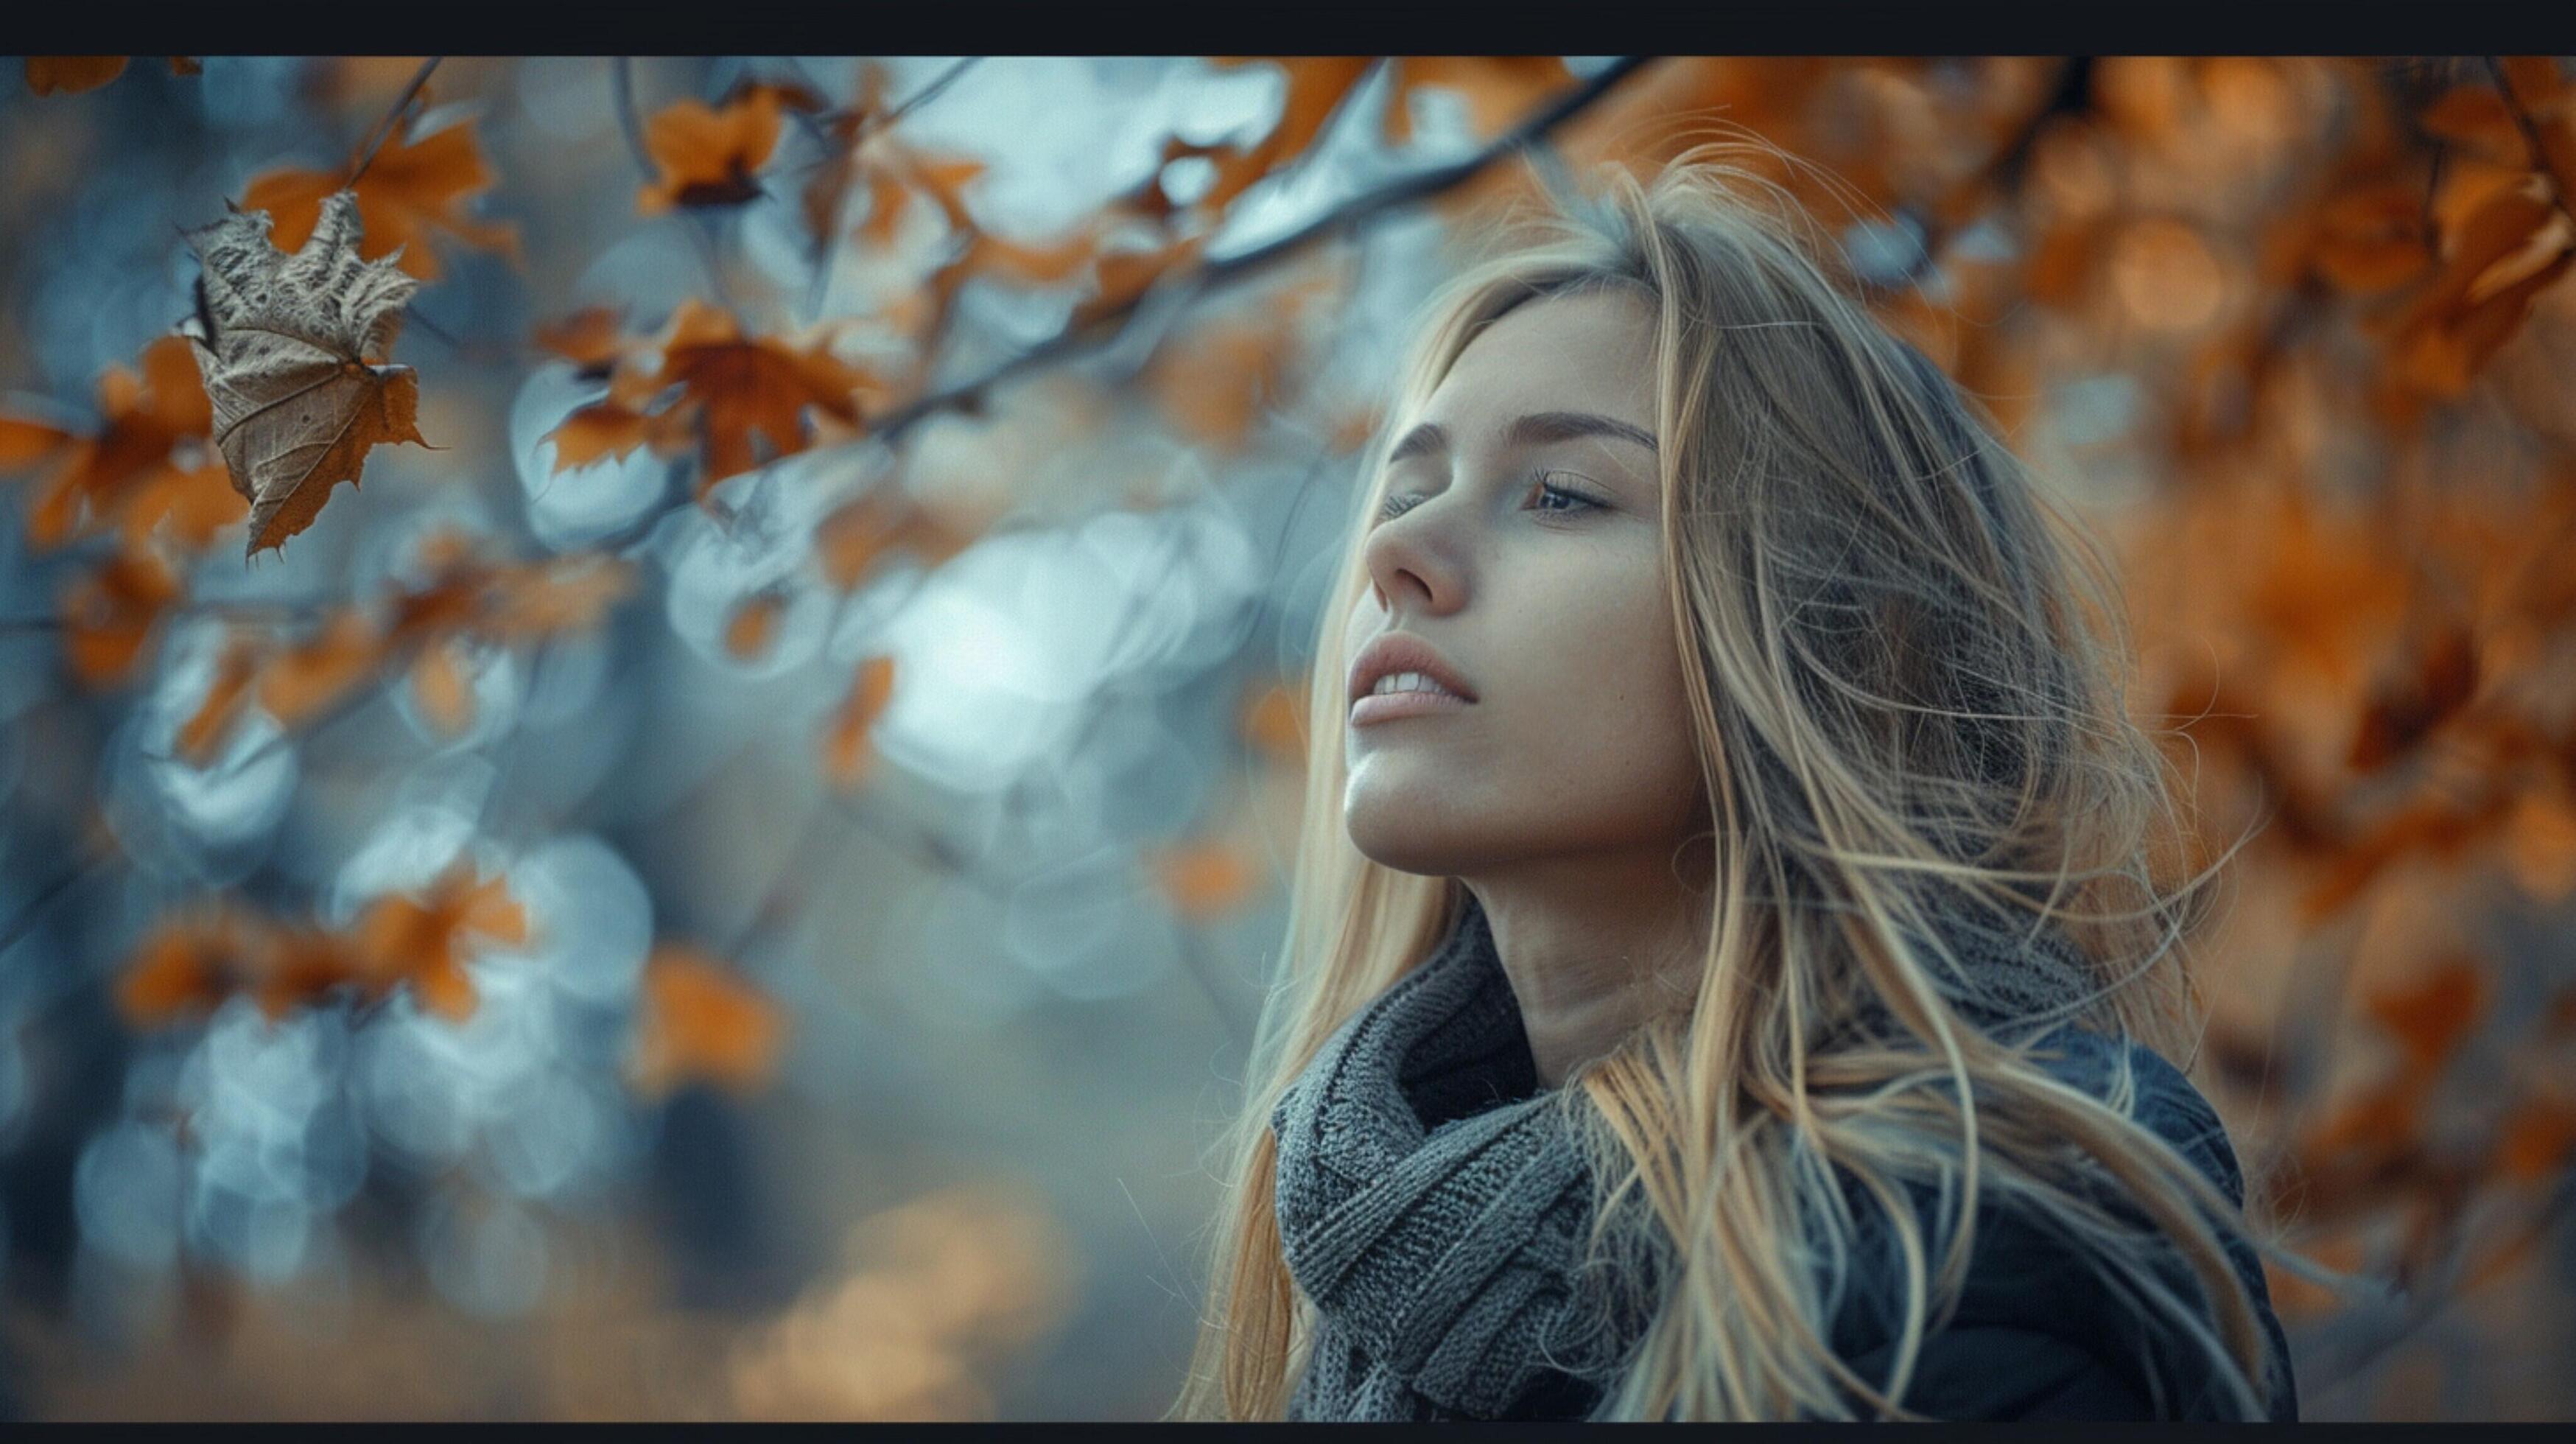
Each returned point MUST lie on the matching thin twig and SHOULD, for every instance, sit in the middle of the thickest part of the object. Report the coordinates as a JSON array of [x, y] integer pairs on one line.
[[25, 922], [1403, 191], [384, 130], [1110, 324], [827, 245], [622, 86]]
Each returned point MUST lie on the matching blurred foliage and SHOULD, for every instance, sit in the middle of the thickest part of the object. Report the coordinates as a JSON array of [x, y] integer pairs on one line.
[[818, 738]]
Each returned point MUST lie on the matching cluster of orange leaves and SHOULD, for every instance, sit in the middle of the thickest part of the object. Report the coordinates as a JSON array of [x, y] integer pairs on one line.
[[464, 599], [700, 1020], [703, 383], [415, 188], [191, 964], [697, 1019], [721, 386], [149, 474]]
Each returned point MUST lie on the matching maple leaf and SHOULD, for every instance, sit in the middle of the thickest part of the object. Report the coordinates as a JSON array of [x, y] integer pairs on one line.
[[753, 626], [2432, 1016], [414, 188], [708, 154], [719, 384], [149, 460], [108, 615], [701, 1020], [427, 940], [301, 681], [588, 338], [2512, 243], [2405, 710], [438, 682], [282, 342], [849, 542], [235, 668], [186, 966], [72, 74]]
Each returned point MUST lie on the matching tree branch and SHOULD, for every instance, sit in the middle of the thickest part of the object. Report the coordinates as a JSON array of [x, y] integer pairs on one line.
[[1401, 192], [622, 85], [384, 130]]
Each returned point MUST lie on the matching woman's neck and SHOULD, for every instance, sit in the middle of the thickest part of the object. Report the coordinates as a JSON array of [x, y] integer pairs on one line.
[[1594, 947]]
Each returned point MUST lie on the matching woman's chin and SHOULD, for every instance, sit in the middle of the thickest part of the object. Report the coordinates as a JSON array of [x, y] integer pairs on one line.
[[1404, 843]]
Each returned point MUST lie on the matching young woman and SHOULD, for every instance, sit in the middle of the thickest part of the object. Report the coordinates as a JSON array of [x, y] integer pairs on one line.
[[1733, 955]]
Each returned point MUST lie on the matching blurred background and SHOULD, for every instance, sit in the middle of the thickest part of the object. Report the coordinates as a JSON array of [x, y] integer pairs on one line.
[[737, 884]]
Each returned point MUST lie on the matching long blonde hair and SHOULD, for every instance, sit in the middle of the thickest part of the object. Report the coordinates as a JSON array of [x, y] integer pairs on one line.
[[1905, 671]]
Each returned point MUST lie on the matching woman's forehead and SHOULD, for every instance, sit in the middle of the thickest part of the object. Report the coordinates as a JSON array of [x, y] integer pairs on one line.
[[1591, 352]]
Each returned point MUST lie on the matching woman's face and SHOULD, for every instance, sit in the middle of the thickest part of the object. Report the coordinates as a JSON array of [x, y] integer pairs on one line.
[[1551, 608]]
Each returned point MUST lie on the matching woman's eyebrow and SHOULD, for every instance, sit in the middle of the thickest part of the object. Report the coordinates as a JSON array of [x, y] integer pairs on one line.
[[1534, 429]]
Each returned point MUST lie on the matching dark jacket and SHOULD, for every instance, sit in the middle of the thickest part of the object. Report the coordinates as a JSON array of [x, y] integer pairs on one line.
[[2038, 1333]]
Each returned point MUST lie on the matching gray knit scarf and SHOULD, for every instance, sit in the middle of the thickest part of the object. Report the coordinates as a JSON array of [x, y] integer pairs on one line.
[[1433, 1205]]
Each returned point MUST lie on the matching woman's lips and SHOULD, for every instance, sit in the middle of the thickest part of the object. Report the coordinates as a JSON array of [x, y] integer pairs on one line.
[[1387, 706]]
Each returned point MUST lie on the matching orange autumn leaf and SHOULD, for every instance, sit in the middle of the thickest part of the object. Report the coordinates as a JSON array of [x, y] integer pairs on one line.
[[1273, 722], [847, 757], [753, 626], [185, 966], [187, 506], [2540, 846], [213, 719], [1205, 879], [1213, 385], [427, 940], [601, 429], [2474, 115], [438, 684], [824, 194], [2439, 683], [700, 1020], [723, 387], [2537, 1140], [1123, 276], [154, 421], [2372, 239], [707, 154], [109, 614], [2515, 241], [567, 594], [2548, 101], [2383, 1120], [304, 680], [589, 338], [303, 965], [72, 74], [2430, 1018], [415, 190], [23, 441], [849, 542]]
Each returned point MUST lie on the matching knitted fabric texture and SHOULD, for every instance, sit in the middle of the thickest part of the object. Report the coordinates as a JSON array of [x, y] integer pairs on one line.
[[1432, 1203]]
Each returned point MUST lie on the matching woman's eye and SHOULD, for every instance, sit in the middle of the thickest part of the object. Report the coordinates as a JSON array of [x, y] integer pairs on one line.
[[1398, 503], [1580, 501]]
